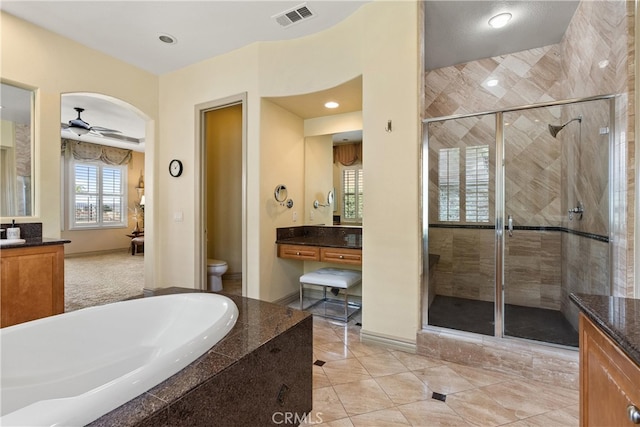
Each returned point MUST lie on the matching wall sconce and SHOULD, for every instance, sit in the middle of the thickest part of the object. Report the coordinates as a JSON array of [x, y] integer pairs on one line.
[[280, 194]]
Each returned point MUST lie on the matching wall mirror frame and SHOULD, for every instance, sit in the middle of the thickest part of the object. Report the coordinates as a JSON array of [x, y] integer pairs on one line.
[[17, 178]]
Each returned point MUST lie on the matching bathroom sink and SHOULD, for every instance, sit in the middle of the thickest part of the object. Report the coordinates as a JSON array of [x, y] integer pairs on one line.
[[6, 242]]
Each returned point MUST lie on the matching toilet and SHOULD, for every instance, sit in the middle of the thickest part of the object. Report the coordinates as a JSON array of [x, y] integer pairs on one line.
[[215, 270]]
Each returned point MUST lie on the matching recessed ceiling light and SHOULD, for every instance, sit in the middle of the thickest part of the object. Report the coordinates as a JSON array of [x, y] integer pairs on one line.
[[492, 82], [603, 63], [332, 104], [167, 38], [500, 20]]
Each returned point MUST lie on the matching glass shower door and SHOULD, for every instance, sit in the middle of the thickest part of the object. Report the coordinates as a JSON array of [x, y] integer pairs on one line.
[[556, 216], [461, 240]]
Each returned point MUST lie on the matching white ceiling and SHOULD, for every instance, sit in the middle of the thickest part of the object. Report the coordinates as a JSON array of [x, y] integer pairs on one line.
[[455, 32]]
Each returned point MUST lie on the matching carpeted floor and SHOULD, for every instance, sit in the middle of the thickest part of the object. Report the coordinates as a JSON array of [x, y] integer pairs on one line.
[[110, 277], [100, 279]]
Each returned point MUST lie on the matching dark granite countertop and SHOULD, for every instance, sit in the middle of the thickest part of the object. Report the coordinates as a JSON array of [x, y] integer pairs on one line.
[[317, 235], [258, 323], [618, 317], [32, 233], [36, 241]]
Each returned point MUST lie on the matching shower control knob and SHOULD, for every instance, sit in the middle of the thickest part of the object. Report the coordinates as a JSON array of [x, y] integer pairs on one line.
[[634, 414]]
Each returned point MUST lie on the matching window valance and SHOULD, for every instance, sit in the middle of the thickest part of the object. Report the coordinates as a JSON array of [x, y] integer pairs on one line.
[[347, 154], [88, 152]]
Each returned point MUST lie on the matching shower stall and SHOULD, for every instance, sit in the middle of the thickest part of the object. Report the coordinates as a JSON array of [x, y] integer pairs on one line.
[[516, 216]]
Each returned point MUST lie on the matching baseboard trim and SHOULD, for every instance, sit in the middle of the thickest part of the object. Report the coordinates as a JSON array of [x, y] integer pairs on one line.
[[93, 253], [388, 341], [288, 299]]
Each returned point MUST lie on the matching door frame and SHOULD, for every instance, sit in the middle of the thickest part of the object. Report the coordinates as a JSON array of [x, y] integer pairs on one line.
[[200, 227]]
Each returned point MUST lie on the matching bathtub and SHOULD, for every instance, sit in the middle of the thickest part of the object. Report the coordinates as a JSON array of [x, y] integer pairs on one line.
[[70, 369]]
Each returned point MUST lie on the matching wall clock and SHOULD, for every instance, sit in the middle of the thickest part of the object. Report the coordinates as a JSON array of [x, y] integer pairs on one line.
[[175, 168]]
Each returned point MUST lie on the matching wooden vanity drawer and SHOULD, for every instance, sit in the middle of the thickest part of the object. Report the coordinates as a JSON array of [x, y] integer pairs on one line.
[[307, 253], [341, 256]]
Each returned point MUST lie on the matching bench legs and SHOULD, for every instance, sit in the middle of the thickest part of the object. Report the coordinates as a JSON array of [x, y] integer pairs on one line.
[[324, 299]]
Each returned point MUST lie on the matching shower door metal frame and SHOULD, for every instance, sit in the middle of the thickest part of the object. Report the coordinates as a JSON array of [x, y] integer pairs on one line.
[[499, 202]]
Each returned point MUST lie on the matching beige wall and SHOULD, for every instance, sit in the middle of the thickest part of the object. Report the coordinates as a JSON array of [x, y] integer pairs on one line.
[[388, 62], [379, 42], [52, 68], [224, 185], [107, 239]]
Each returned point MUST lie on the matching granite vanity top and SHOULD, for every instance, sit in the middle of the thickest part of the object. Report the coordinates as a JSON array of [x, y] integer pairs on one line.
[[258, 323], [36, 241], [618, 317], [318, 235], [32, 233]]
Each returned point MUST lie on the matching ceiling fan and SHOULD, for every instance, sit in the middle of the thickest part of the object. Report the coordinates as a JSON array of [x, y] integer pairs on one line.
[[80, 127]]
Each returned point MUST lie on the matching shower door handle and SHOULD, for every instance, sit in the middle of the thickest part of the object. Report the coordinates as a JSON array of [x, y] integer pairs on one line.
[[510, 222]]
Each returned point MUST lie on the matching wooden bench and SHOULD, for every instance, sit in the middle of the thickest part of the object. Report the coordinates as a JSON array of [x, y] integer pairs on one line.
[[336, 279]]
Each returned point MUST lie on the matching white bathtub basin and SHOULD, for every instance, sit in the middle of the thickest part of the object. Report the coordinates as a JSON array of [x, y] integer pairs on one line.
[[72, 368], [5, 242]]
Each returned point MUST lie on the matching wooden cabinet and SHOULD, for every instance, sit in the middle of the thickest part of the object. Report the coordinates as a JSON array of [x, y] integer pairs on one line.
[[320, 253], [32, 283], [609, 380], [341, 256], [301, 252]]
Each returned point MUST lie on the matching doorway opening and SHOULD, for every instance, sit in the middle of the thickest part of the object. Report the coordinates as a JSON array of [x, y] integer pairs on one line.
[[222, 222]]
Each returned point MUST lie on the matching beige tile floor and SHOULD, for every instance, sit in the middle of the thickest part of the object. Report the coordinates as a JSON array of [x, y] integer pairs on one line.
[[370, 385]]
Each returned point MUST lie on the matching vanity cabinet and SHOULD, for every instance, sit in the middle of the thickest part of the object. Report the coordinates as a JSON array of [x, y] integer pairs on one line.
[[32, 283], [341, 256], [609, 380], [300, 252], [320, 253]]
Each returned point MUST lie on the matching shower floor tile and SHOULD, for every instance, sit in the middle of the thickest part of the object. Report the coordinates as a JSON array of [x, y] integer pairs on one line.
[[523, 322]]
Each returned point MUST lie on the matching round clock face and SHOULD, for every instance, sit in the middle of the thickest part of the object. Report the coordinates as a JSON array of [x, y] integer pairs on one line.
[[175, 168]]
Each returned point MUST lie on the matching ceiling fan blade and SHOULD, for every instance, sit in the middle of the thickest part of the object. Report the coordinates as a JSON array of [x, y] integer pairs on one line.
[[64, 125], [122, 138], [101, 129]]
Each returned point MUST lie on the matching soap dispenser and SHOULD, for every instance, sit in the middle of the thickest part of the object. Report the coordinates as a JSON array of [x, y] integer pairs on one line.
[[13, 232]]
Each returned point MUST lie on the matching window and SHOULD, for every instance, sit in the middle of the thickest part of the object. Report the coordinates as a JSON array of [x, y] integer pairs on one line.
[[352, 194], [449, 184], [475, 202], [477, 184], [98, 198]]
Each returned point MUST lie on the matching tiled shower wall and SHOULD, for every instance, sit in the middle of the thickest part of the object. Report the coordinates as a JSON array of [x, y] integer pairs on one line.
[[567, 70]]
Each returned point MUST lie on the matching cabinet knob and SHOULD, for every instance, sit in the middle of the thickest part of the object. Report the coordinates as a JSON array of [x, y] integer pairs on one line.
[[634, 414], [341, 257], [298, 253]]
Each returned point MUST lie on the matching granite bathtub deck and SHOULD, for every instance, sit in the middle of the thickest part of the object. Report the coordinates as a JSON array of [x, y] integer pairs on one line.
[[617, 317], [264, 365]]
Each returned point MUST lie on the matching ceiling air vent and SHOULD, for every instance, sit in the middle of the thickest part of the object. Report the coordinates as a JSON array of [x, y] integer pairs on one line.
[[292, 16]]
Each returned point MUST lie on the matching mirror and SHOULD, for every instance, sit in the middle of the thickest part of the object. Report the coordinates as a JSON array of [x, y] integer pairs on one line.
[[16, 160], [322, 173], [280, 193]]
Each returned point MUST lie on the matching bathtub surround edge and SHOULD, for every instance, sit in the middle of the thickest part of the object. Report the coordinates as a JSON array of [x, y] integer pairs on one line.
[[270, 346]]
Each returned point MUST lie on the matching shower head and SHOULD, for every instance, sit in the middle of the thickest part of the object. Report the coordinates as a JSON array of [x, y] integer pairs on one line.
[[554, 129]]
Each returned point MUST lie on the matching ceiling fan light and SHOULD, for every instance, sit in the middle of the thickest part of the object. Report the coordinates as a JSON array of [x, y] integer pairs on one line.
[[78, 130]]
